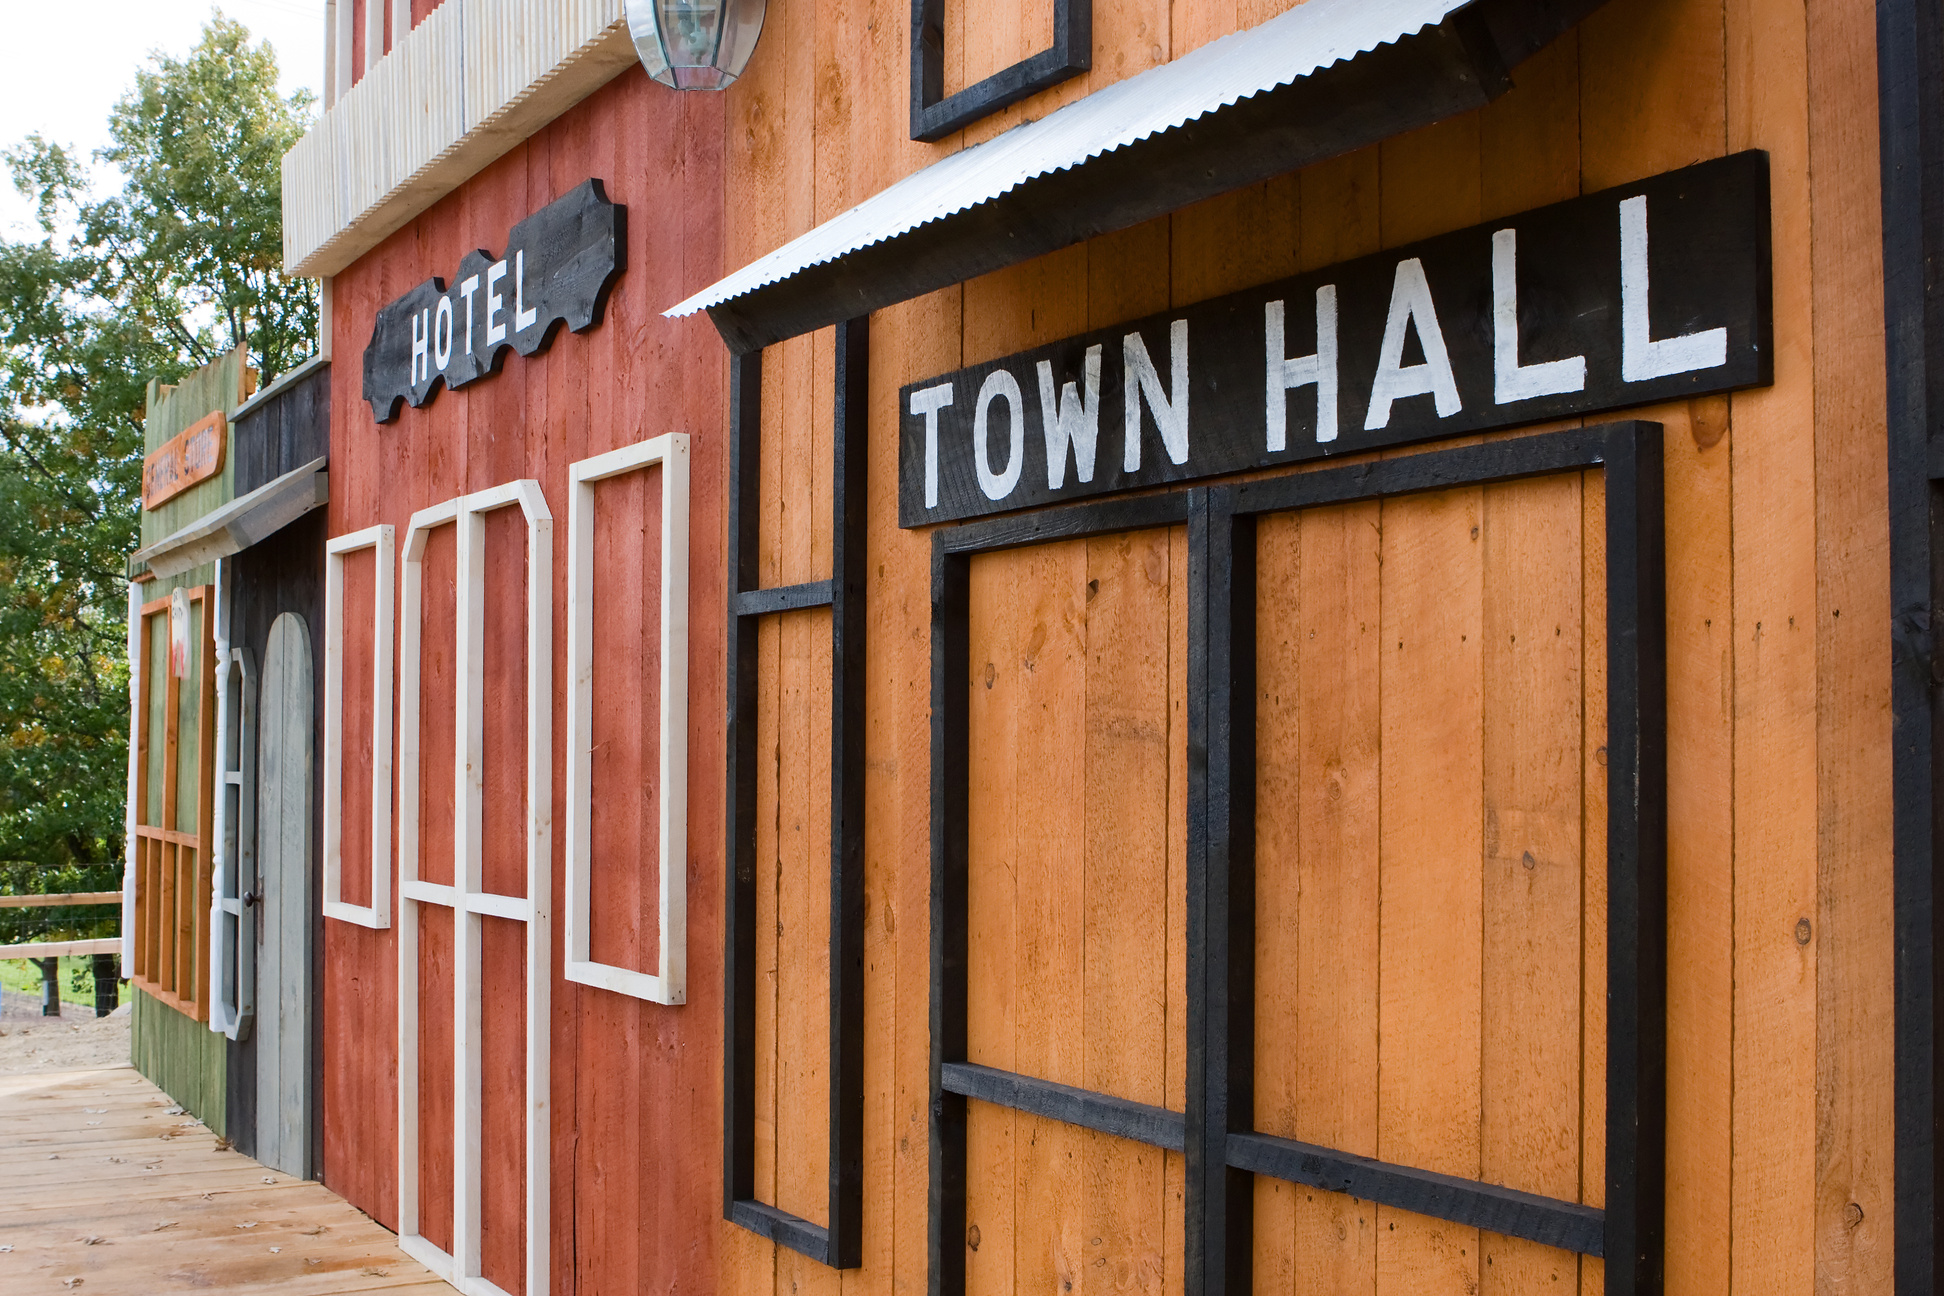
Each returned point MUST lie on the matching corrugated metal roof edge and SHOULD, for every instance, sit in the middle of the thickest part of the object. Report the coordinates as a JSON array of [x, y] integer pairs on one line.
[[784, 266]]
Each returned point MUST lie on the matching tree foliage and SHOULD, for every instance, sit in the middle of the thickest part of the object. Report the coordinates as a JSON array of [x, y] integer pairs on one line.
[[177, 267]]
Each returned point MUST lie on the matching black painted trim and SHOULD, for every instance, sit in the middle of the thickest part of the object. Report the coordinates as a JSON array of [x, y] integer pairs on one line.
[[934, 114], [1544, 1220], [1222, 1151], [1418, 79], [1120, 1117], [840, 1243], [1910, 88], [784, 598]]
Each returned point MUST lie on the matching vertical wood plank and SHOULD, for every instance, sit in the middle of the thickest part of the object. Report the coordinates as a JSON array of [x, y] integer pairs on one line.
[[1530, 1135], [1772, 1220], [1593, 838], [1126, 822], [1856, 981], [992, 905], [1049, 1157], [1429, 873]]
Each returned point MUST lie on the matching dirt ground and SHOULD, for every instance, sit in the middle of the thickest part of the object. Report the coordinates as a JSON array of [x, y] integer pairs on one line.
[[75, 1041]]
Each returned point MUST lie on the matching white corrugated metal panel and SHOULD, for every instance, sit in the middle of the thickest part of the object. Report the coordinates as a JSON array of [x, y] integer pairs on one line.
[[1287, 48], [466, 84]]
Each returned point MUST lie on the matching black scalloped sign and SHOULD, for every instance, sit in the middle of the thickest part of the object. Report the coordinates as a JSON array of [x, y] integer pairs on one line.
[[560, 264]]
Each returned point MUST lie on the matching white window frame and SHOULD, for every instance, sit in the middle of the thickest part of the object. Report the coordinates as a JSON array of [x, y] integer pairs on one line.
[[377, 914], [668, 984], [137, 717], [232, 1001], [465, 897]]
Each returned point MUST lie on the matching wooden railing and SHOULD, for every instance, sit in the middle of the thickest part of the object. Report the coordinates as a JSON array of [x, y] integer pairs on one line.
[[60, 949]]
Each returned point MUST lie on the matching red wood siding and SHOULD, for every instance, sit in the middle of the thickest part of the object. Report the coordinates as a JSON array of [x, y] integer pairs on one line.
[[635, 1086]]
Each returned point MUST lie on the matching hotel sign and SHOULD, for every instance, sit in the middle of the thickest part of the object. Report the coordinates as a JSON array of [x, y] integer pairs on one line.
[[559, 264], [1653, 291]]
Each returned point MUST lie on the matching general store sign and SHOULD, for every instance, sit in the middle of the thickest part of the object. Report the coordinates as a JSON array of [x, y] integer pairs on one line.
[[1653, 291], [559, 264]]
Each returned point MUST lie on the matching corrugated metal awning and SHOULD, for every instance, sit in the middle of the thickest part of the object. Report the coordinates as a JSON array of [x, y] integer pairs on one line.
[[1321, 79], [238, 524]]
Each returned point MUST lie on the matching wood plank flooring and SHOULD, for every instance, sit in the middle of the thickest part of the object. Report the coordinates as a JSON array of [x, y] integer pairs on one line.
[[107, 1188]]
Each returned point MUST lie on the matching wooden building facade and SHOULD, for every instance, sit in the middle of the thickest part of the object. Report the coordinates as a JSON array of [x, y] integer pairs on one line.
[[947, 781], [222, 812]]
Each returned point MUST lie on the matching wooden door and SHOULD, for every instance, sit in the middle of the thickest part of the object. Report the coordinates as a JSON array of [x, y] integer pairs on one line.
[[1075, 907], [283, 820], [1430, 874], [1339, 751]]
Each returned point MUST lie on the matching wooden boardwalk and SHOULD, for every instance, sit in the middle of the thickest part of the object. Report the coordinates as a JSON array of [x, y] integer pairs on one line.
[[106, 1189]]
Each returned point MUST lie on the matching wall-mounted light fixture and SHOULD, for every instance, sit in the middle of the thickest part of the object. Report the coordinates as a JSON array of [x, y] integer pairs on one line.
[[695, 44]]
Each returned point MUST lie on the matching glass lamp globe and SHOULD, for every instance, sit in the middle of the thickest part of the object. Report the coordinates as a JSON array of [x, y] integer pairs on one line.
[[695, 44]]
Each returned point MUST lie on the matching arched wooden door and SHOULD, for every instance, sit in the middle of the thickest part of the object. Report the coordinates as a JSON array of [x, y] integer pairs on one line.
[[283, 821]]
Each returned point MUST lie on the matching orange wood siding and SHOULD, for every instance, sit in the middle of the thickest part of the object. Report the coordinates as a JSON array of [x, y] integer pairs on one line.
[[1777, 720]]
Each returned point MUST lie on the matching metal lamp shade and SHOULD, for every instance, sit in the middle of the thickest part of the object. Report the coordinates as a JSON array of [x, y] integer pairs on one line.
[[695, 44]]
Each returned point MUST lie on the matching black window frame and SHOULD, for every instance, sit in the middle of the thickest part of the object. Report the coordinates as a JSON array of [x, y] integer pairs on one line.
[[934, 114], [839, 1243], [1223, 1153]]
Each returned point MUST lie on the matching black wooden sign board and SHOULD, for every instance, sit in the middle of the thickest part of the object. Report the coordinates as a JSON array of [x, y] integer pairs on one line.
[[560, 263], [1653, 291]]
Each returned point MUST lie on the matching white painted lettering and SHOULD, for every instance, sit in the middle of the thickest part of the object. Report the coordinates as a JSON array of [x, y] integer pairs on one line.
[[421, 335], [1139, 379], [1410, 306], [999, 385], [467, 287], [1642, 358], [1070, 418], [522, 317], [1287, 372], [442, 334], [1512, 381], [495, 304], [925, 404]]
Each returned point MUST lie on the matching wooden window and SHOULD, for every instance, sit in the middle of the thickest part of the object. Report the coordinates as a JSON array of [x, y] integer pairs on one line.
[[174, 786], [935, 114], [467, 897], [235, 890], [377, 912], [839, 1241], [668, 984], [1226, 1151]]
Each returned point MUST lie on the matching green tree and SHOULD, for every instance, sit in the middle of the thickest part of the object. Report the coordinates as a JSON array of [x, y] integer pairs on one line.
[[178, 266]]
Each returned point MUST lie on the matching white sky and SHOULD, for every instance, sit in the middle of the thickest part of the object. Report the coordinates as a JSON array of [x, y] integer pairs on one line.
[[73, 59]]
